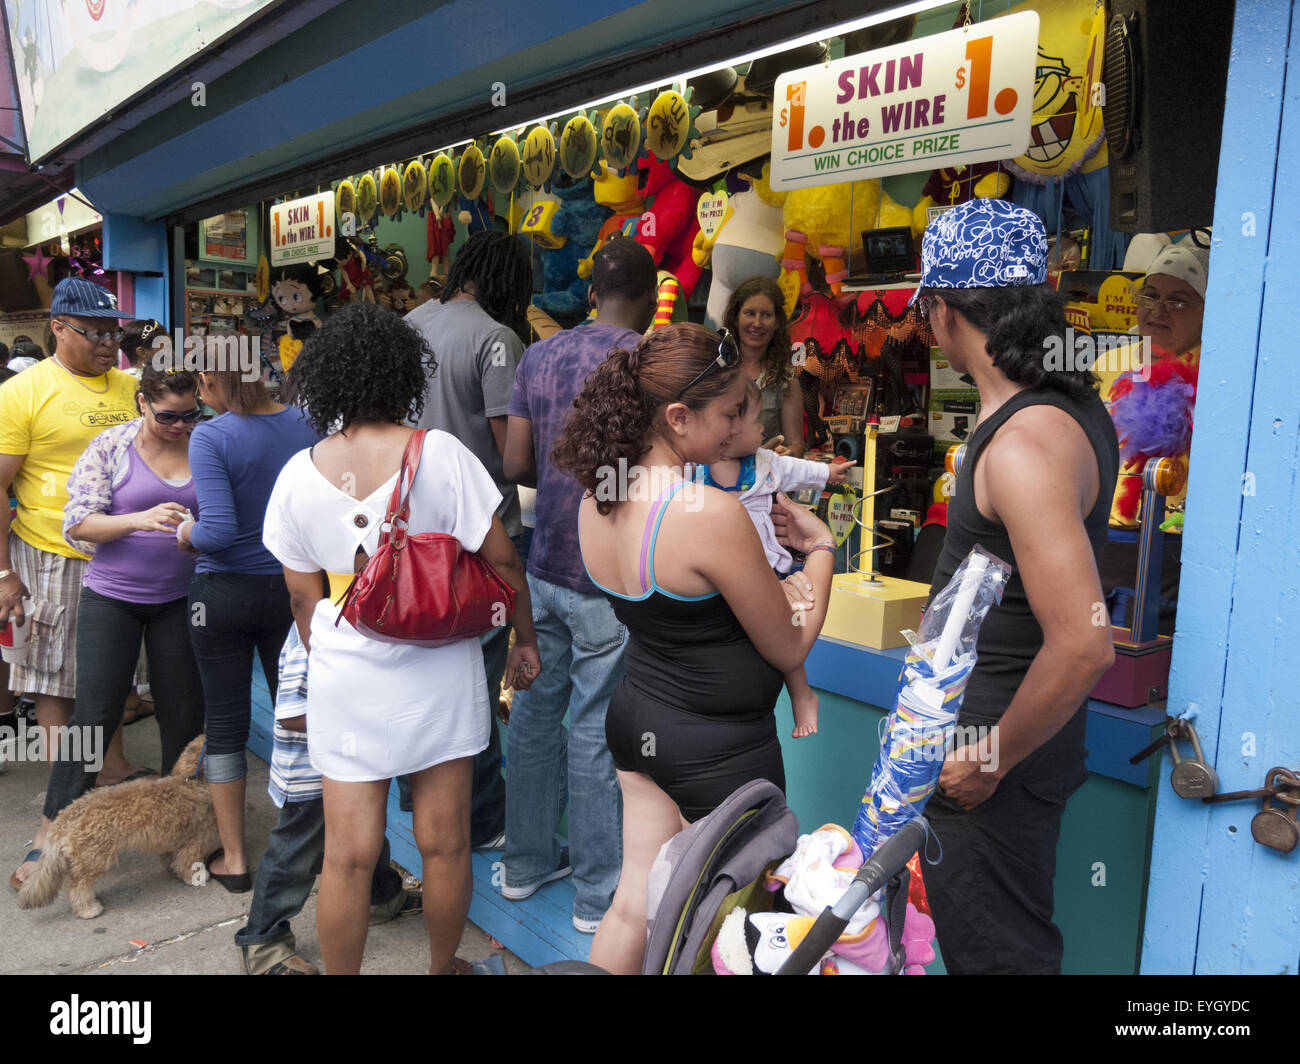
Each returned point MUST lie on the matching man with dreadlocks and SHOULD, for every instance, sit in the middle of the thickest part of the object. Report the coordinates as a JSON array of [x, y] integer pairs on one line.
[[475, 328]]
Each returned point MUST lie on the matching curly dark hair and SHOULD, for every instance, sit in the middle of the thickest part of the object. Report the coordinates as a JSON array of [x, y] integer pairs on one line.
[[621, 405], [1019, 324], [501, 270], [778, 364], [364, 364]]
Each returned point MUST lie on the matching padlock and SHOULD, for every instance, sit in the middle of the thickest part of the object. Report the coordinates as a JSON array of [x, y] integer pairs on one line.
[[1192, 778], [1273, 827]]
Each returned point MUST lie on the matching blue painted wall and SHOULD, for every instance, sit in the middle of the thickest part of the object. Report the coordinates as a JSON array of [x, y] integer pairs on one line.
[[137, 246], [1218, 902]]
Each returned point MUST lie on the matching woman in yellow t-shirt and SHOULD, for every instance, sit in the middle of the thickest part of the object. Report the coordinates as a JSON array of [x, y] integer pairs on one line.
[[1171, 309]]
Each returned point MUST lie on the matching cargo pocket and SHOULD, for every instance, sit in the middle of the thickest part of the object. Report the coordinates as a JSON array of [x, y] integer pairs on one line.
[[45, 651]]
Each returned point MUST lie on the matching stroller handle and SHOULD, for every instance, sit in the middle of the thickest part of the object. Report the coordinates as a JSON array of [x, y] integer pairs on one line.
[[890, 859]]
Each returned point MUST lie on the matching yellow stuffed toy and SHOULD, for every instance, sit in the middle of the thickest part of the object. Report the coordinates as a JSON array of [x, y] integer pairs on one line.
[[825, 222], [620, 195]]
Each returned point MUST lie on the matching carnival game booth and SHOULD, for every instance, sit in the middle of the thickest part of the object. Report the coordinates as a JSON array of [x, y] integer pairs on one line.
[[753, 145]]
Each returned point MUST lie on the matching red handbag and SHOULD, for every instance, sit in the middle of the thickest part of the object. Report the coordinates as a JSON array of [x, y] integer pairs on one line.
[[425, 588]]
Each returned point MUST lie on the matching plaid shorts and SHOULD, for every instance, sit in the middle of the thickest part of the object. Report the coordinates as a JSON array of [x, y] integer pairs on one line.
[[54, 583]]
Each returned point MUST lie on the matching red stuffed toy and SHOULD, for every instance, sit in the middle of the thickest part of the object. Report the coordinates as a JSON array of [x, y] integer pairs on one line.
[[669, 226]]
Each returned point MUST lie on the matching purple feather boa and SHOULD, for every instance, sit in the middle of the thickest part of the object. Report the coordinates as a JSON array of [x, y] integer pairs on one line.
[[1155, 421]]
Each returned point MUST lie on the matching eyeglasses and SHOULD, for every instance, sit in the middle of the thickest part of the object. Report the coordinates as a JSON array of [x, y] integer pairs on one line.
[[923, 304], [728, 358], [1151, 300], [95, 336], [171, 417]]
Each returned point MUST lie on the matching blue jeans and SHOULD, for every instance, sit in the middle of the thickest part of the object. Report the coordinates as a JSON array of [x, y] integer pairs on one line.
[[581, 646], [288, 870]]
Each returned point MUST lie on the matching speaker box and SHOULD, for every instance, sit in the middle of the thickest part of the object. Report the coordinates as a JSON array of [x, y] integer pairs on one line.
[[1165, 74], [16, 289]]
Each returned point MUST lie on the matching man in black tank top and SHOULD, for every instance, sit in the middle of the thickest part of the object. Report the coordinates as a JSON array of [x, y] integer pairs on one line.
[[1034, 489]]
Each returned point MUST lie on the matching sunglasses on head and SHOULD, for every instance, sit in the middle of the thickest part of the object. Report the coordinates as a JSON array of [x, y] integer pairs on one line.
[[728, 357], [171, 417]]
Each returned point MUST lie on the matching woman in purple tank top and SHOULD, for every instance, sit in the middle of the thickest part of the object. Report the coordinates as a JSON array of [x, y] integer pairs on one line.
[[127, 493]]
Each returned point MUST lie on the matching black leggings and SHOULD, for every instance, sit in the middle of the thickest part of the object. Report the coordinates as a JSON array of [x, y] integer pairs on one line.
[[108, 643], [231, 615]]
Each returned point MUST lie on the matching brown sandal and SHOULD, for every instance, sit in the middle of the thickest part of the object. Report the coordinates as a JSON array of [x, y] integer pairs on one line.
[[458, 966]]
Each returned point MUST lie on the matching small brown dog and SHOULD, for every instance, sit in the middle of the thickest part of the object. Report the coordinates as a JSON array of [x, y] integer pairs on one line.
[[168, 815]]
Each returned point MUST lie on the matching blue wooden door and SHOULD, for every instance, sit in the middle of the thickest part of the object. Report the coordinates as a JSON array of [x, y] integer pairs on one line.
[[1218, 902]]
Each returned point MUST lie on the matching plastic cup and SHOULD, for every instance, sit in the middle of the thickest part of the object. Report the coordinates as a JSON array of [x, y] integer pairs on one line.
[[14, 637]]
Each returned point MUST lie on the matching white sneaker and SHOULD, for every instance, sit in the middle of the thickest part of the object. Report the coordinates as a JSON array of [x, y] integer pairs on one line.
[[520, 893], [586, 927], [498, 843]]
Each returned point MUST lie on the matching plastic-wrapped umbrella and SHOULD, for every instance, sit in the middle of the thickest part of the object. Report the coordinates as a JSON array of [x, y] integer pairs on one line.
[[920, 727]]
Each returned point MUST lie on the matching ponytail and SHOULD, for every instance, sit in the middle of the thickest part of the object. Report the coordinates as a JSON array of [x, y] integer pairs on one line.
[[615, 417], [611, 419]]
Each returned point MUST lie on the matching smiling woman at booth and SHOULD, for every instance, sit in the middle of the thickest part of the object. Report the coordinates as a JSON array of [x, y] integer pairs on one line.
[[755, 316]]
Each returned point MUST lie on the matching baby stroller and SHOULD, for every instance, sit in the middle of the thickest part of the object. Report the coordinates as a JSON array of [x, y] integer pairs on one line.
[[717, 865]]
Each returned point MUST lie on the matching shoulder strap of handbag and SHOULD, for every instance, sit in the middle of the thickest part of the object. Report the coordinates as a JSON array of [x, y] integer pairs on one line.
[[399, 503]]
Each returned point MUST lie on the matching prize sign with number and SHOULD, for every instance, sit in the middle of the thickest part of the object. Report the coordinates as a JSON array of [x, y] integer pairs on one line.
[[956, 98], [302, 230]]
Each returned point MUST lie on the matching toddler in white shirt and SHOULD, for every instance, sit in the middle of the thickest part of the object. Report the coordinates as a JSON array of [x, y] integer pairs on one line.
[[755, 475]]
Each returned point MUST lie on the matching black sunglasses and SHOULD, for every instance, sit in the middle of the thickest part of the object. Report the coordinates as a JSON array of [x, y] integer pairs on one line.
[[171, 417], [95, 336], [728, 357]]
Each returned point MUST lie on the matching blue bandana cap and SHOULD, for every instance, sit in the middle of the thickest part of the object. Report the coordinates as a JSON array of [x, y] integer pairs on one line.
[[983, 243]]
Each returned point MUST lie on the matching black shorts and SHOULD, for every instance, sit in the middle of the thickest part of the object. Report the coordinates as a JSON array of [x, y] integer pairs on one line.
[[698, 761]]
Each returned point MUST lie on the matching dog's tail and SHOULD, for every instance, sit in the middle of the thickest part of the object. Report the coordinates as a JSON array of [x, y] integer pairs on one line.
[[42, 886]]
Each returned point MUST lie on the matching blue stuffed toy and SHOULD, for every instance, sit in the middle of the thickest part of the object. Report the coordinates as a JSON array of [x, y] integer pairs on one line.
[[578, 221]]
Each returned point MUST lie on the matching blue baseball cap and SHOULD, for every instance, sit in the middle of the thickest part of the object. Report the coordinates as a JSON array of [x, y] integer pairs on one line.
[[983, 243], [75, 297]]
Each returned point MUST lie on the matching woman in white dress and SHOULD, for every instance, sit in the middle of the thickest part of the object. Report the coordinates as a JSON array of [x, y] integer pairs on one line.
[[376, 709]]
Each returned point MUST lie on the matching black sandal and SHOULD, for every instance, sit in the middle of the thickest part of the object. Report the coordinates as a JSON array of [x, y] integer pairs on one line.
[[234, 882]]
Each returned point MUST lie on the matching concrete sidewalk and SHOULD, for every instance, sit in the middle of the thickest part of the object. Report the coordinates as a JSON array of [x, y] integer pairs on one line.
[[187, 930]]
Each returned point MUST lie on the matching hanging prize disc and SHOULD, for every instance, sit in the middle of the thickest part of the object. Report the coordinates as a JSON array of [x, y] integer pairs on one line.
[[539, 156], [503, 165], [578, 147], [670, 125], [415, 185], [442, 180], [390, 191], [620, 138], [367, 198], [472, 172], [263, 277], [345, 201]]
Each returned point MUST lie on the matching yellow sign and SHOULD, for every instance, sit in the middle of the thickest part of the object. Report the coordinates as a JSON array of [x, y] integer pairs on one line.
[[839, 516]]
